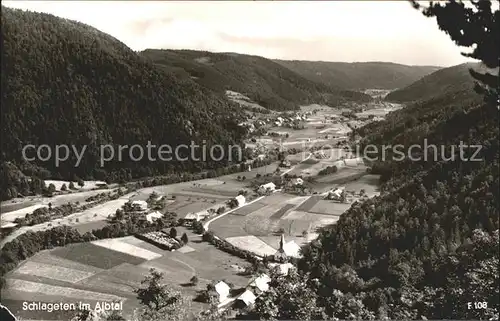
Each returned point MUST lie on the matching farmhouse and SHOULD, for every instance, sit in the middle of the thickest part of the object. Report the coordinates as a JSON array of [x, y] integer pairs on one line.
[[151, 217], [284, 268], [240, 199], [267, 187], [202, 214], [261, 283], [285, 163], [247, 298], [140, 205], [335, 194], [353, 161], [222, 290], [191, 217]]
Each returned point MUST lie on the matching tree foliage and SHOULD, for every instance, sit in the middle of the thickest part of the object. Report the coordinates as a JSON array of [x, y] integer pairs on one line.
[[155, 295], [475, 26], [66, 83]]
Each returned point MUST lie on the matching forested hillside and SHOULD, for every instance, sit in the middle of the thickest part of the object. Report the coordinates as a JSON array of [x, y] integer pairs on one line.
[[427, 247], [64, 82], [359, 75], [447, 80], [264, 81]]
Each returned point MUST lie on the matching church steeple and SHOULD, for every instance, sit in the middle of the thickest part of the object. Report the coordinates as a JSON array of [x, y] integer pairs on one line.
[[282, 242], [280, 254]]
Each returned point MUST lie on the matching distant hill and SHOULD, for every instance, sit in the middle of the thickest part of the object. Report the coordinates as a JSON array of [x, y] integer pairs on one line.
[[264, 81], [359, 75], [64, 82], [447, 80]]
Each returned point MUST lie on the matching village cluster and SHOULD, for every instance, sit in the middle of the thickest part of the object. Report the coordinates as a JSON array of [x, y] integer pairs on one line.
[[286, 191]]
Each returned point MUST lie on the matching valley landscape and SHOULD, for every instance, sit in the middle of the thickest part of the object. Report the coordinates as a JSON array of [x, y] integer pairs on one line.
[[305, 210]]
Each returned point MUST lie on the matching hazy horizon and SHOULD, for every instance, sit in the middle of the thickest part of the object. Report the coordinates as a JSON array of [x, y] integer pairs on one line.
[[367, 31]]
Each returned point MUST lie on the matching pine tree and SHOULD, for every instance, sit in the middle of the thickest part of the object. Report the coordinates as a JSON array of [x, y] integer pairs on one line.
[[476, 27], [184, 238]]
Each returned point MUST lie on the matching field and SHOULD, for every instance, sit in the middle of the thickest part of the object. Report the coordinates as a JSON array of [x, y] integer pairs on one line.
[[367, 182], [118, 246], [53, 272], [313, 165], [328, 208], [101, 271], [265, 220], [10, 211], [89, 226], [279, 213], [298, 218], [13, 205], [253, 244], [96, 256], [98, 213], [343, 176], [11, 216]]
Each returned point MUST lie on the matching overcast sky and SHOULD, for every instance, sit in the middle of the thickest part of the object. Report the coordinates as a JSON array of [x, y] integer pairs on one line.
[[311, 30]]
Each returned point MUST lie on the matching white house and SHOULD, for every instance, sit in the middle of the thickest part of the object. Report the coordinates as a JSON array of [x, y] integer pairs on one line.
[[336, 194], [267, 187], [140, 205], [151, 217], [281, 268], [297, 181], [247, 297], [222, 290], [291, 249], [191, 217], [353, 161], [241, 200], [284, 268], [261, 283]]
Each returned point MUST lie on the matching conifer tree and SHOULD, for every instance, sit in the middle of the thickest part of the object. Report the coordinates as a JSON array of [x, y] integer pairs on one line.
[[478, 27]]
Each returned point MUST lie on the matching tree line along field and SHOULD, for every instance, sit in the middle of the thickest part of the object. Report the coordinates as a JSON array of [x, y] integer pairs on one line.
[[111, 269]]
